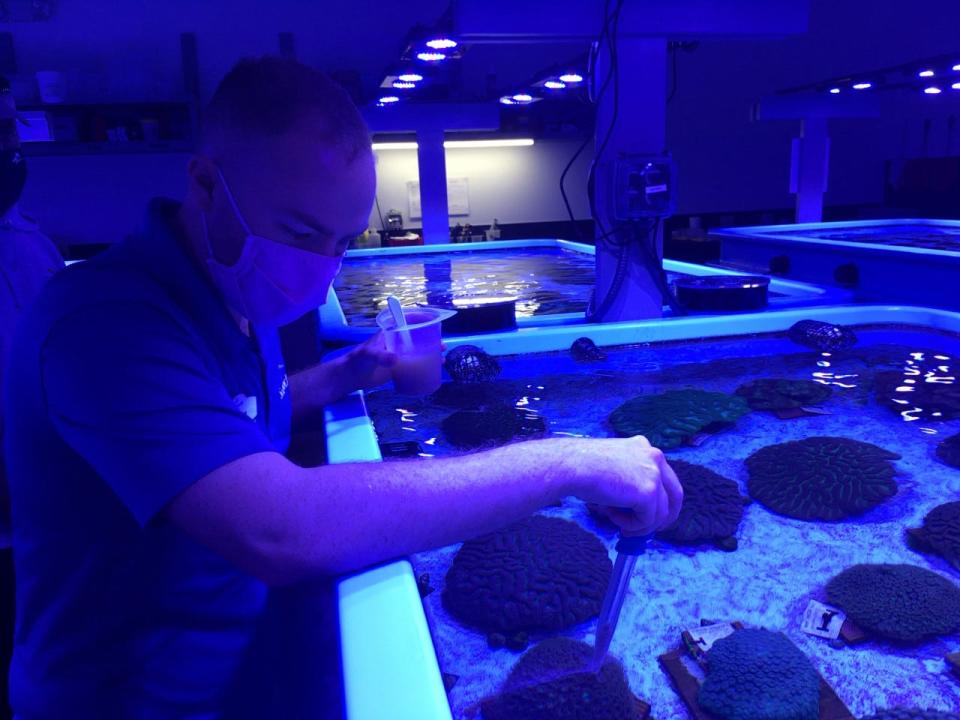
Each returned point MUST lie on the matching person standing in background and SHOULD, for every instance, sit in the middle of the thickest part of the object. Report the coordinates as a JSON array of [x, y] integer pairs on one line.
[[27, 260]]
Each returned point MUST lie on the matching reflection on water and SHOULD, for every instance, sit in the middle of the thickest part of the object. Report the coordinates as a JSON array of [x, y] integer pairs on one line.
[[915, 236], [544, 281]]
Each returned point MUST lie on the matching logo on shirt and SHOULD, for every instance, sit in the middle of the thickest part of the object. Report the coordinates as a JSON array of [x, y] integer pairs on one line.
[[284, 386], [246, 405]]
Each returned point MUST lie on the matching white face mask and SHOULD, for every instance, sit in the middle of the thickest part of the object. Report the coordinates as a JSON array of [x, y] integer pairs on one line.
[[271, 283]]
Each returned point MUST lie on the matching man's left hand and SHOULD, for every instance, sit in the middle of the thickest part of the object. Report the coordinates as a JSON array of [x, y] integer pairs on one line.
[[369, 364]]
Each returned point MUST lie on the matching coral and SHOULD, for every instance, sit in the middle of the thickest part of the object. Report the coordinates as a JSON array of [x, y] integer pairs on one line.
[[948, 451], [539, 574], [923, 390], [487, 427], [822, 336], [712, 508], [670, 418], [759, 675], [584, 350], [469, 364], [821, 478], [782, 394], [912, 714], [553, 680], [903, 603], [940, 533]]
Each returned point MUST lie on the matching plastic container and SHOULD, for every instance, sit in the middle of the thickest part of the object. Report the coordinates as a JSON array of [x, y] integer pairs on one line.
[[52, 86], [417, 346]]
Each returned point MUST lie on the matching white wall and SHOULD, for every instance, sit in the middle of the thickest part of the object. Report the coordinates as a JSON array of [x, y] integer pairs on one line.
[[96, 199], [514, 185]]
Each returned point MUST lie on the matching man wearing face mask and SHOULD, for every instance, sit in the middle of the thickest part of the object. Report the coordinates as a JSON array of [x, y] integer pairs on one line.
[[152, 502], [27, 260]]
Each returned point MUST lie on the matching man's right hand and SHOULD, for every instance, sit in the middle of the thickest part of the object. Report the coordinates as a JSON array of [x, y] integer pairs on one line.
[[628, 478]]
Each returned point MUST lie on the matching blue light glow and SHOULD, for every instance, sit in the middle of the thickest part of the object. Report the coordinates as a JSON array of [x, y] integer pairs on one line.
[[932, 90], [834, 91], [926, 73], [862, 86], [441, 43], [571, 78], [431, 56], [410, 77], [401, 85], [554, 85]]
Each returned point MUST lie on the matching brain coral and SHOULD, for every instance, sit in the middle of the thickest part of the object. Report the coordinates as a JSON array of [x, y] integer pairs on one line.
[[486, 427], [949, 451], [670, 418], [539, 574], [903, 603], [552, 681], [712, 508], [921, 389], [940, 533], [759, 675], [782, 394], [821, 478]]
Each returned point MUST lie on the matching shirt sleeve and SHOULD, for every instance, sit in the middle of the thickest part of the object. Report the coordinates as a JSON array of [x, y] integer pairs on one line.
[[130, 391]]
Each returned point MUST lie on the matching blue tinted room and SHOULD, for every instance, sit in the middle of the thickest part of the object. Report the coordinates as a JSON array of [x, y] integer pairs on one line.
[[480, 360]]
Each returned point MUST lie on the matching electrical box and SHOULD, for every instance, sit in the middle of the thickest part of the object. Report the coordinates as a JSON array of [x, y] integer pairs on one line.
[[643, 187]]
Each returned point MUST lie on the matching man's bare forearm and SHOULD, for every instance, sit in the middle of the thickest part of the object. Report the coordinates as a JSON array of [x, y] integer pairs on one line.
[[282, 522], [377, 512], [313, 388]]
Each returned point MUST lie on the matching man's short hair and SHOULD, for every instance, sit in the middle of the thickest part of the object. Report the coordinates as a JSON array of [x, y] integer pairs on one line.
[[268, 96]]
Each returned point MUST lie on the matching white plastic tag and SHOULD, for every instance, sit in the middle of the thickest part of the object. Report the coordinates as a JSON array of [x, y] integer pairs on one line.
[[707, 635], [822, 620]]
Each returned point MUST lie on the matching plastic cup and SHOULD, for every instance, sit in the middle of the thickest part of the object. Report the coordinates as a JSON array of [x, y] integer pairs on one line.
[[417, 347]]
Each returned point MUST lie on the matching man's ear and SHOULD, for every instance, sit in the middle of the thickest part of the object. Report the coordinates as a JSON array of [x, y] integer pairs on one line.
[[201, 176]]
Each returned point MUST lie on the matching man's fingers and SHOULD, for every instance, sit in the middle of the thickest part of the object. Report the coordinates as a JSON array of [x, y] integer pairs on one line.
[[671, 484]]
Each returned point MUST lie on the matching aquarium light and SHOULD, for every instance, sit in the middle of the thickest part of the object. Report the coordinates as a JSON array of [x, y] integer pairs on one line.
[[387, 99], [410, 77], [862, 86], [403, 85], [459, 144], [571, 78], [441, 43], [956, 86], [431, 56], [932, 90], [834, 91], [926, 73], [554, 85]]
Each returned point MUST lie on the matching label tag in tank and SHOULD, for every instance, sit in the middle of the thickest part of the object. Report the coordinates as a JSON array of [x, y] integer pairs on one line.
[[701, 639], [822, 620]]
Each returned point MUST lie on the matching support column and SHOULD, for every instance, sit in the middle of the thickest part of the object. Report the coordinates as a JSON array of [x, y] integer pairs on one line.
[[640, 128], [433, 185], [809, 164]]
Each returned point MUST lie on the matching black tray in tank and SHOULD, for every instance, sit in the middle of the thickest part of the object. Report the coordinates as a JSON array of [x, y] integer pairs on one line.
[[480, 315], [722, 292]]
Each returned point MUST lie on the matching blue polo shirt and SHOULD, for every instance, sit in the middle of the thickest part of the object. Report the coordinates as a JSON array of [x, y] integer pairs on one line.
[[128, 381]]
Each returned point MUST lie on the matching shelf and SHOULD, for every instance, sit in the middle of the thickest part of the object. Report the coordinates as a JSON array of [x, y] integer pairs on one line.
[[67, 149]]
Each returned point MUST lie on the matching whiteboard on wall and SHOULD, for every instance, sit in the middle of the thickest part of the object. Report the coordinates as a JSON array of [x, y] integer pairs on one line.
[[458, 198]]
